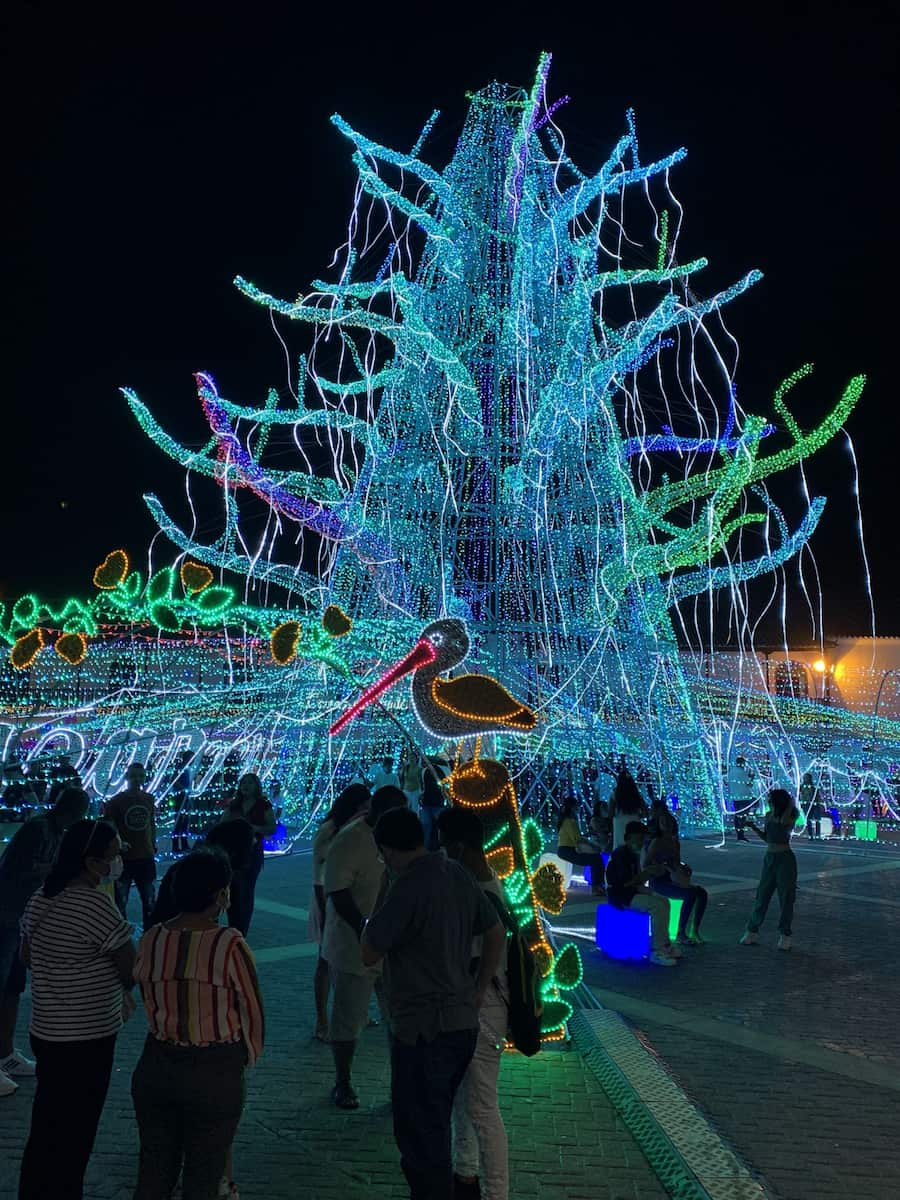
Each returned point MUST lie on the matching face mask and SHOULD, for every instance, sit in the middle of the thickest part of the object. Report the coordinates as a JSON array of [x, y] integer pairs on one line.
[[116, 867]]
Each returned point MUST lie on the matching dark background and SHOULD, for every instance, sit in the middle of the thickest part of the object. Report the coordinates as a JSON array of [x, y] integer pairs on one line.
[[154, 152]]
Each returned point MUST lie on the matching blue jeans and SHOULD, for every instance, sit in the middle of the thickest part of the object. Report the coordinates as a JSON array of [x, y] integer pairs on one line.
[[424, 1081]]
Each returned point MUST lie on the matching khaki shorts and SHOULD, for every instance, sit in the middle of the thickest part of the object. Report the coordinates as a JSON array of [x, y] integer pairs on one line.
[[349, 1004]]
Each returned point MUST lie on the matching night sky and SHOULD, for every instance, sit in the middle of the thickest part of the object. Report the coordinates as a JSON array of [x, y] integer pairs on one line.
[[158, 151]]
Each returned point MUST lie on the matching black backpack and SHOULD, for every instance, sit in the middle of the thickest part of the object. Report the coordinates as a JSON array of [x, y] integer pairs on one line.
[[524, 985]]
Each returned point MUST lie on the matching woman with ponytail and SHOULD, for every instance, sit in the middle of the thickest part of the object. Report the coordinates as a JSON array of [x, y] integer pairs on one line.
[[81, 957]]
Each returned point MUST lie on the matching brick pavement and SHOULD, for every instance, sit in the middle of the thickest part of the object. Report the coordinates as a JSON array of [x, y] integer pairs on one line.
[[566, 1141], [731, 1022]]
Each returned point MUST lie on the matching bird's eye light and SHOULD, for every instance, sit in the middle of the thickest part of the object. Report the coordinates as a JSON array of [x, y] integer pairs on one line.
[[437, 639]]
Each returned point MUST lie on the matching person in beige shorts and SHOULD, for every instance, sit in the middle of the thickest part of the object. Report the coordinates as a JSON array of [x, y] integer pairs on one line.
[[354, 874]]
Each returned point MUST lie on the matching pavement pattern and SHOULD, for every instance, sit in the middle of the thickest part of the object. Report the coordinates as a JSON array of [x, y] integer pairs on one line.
[[566, 1140], [792, 1056]]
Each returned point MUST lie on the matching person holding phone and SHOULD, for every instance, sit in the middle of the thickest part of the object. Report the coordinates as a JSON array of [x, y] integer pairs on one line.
[[779, 870]]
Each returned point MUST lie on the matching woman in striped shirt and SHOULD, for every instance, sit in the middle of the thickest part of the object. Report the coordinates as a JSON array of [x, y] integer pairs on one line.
[[81, 956], [205, 1014]]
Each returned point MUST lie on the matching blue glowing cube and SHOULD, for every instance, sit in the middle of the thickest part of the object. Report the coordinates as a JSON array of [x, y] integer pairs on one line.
[[625, 932]]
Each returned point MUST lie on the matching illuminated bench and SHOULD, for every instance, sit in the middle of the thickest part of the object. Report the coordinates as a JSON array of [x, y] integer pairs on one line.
[[565, 868], [571, 876], [625, 933]]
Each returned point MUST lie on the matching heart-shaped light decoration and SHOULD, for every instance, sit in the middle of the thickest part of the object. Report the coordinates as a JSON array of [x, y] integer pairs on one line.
[[26, 649], [72, 647], [112, 571], [335, 621], [284, 642], [195, 576]]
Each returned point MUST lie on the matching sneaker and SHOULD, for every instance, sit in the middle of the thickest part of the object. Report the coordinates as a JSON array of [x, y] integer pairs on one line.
[[17, 1064], [7, 1085], [673, 951], [343, 1096], [662, 960], [785, 941], [749, 939]]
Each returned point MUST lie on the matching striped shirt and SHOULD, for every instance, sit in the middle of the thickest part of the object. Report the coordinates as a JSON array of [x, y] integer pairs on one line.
[[76, 992], [200, 988]]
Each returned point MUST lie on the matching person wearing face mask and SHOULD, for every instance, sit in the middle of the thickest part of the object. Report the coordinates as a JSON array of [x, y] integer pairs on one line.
[[206, 1024], [81, 956]]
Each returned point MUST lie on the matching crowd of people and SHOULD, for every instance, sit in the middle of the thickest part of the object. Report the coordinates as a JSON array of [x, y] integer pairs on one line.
[[65, 881], [423, 933]]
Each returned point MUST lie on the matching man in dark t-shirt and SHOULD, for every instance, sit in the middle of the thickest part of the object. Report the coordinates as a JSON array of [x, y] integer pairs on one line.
[[424, 930], [133, 812]]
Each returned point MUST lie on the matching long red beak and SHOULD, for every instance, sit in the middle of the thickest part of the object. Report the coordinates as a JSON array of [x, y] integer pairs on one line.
[[422, 653]]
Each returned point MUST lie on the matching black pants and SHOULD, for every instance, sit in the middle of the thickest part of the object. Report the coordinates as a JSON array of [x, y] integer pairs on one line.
[[142, 873], [72, 1082], [594, 861], [188, 1102], [424, 1081], [428, 815], [243, 890]]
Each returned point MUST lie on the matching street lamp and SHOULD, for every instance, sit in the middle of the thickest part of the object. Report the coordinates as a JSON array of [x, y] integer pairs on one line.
[[826, 670]]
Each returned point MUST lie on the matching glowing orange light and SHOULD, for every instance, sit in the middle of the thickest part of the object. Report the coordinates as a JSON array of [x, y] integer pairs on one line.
[[195, 576], [112, 571], [26, 649], [72, 647], [283, 642]]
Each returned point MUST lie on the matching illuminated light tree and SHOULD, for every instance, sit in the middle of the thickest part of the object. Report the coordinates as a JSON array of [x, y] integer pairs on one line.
[[494, 453], [515, 409]]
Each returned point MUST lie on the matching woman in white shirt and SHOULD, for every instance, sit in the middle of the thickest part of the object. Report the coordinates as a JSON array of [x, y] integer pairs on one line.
[[352, 802], [81, 956]]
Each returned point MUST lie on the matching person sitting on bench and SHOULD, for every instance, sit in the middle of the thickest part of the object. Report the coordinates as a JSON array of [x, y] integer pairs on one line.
[[572, 848], [663, 848]]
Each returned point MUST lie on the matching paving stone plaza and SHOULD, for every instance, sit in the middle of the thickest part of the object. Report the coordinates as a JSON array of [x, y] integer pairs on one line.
[[744, 1072]]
